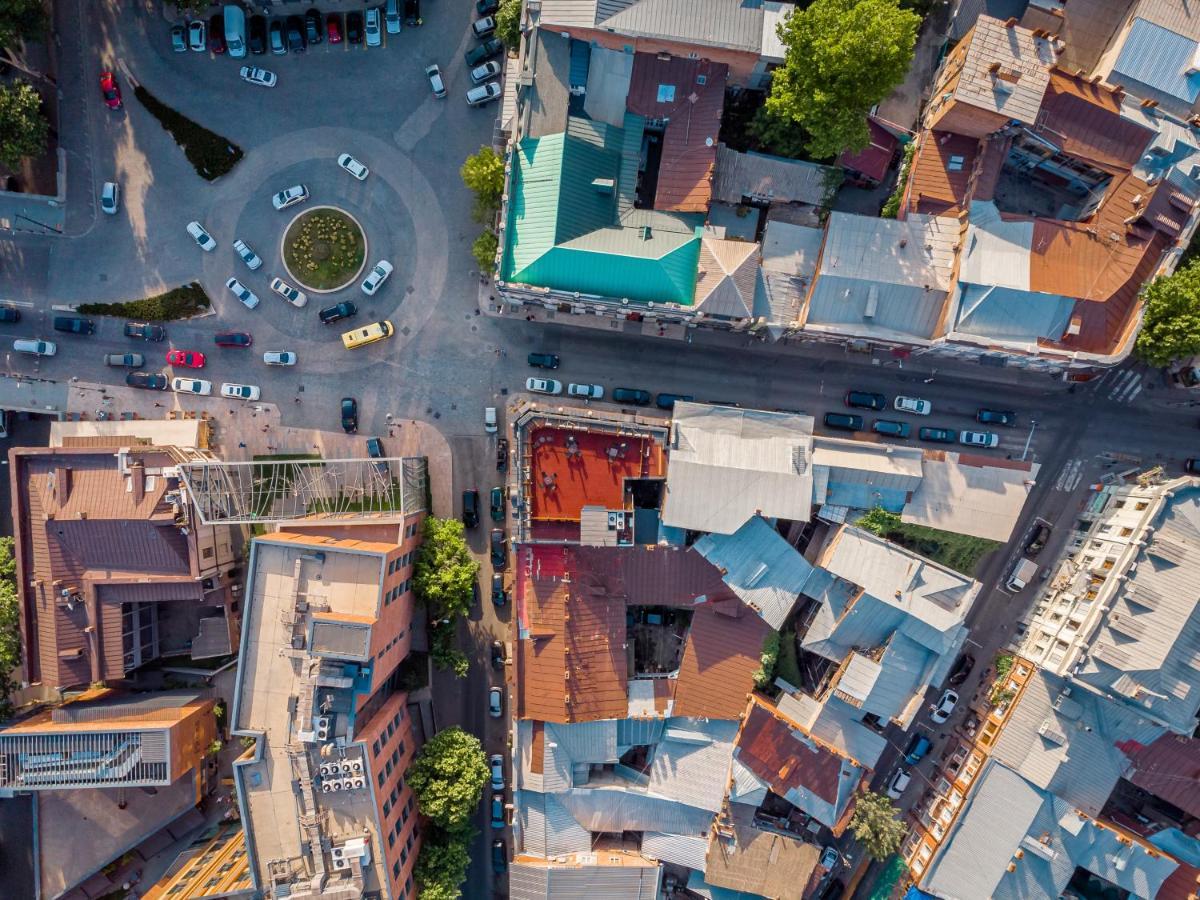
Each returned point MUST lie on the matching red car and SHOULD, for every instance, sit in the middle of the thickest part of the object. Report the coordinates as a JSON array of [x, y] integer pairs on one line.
[[333, 28], [191, 359], [111, 90]]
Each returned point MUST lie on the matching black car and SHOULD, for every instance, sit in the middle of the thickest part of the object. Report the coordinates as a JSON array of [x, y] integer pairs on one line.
[[150, 381], [354, 27], [486, 7], [470, 514], [412, 13], [10, 314], [961, 669], [865, 400], [498, 595], [313, 26], [343, 310], [295, 34], [1037, 540], [668, 401], [497, 655], [349, 415], [891, 429], [996, 417], [501, 454], [257, 39], [233, 339], [499, 857], [486, 50], [542, 360], [74, 325], [938, 435], [497, 504], [843, 421], [216, 32], [631, 395], [145, 331], [499, 549]]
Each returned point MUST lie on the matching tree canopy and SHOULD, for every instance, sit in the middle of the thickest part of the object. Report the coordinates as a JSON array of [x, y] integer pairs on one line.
[[841, 58], [21, 20], [10, 626], [483, 173], [444, 573], [448, 777], [1171, 328], [23, 127], [875, 825], [442, 864], [508, 23]]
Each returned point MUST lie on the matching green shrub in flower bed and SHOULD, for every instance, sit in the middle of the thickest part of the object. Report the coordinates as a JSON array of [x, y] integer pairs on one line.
[[324, 249]]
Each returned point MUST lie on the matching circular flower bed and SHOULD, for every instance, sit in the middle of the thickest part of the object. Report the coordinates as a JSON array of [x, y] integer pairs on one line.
[[324, 249]]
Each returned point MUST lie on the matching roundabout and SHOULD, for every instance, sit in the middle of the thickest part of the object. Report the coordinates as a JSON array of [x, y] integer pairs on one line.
[[324, 249]]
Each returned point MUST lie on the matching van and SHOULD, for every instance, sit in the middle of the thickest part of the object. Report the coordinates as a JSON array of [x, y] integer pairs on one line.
[[369, 334], [36, 348], [1022, 574], [235, 30]]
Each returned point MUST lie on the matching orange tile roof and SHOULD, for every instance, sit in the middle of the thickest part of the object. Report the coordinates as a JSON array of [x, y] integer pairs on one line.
[[935, 189]]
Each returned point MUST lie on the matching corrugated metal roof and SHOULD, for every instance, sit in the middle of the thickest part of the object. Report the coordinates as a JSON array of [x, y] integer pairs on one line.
[[1008, 314], [1016, 89], [577, 13], [837, 724], [723, 650], [1169, 768], [740, 175], [789, 264], [1085, 121], [734, 24], [941, 172], [694, 770], [996, 251], [727, 278], [972, 495], [547, 827], [585, 878], [617, 809], [609, 72], [683, 850], [1159, 58]]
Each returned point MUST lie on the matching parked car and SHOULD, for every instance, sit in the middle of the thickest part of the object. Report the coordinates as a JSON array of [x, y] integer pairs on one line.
[[74, 325], [376, 277], [255, 75], [312, 26], [110, 90], [498, 546], [391, 16], [278, 44], [496, 761], [918, 746], [436, 83], [181, 385], [412, 13], [201, 237], [495, 702], [294, 27], [243, 293], [938, 435], [470, 508], [372, 27], [297, 193], [944, 707], [865, 400], [9, 313], [587, 391], [898, 783], [489, 48], [343, 310], [634, 396], [501, 454], [498, 811], [257, 39], [232, 339], [145, 331], [483, 94], [913, 405], [240, 391], [668, 401], [483, 27], [179, 39], [962, 668], [110, 198], [489, 420], [353, 166], [128, 360], [829, 858], [216, 32], [349, 415], [333, 27], [499, 857], [486, 7], [891, 429], [354, 26], [292, 295], [196, 36], [542, 360], [499, 595], [249, 257], [843, 421], [189, 359], [497, 663], [979, 439], [279, 358], [543, 386], [490, 69], [497, 504], [1038, 537], [996, 417], [35, 347], [147, 381]]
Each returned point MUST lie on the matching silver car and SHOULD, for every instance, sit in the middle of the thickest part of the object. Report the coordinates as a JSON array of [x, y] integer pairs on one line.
[[297, 193], [489, 69], [484, 93], [242, 292], [391, 16], [249, 257], [201, 237], [261, 77], [293, 296], [371, 28], [434, 74], [110, 198]]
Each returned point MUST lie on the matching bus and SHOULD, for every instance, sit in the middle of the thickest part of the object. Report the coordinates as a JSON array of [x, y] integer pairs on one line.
[[368, 334]]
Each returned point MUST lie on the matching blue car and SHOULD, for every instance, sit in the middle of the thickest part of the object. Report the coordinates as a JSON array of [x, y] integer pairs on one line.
[[917, 748], [497, 811]]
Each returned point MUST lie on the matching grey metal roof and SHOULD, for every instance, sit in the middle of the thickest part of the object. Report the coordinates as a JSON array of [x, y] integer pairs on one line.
[[580, 13], [746, 787], [547, 828], [789, 263], [683, 850], [837, 724], [714, 23], [1160, 59], [759, 566], [969, 498], [691, 761], [545, 101], [585, 881], [757, 175], [619, 809]]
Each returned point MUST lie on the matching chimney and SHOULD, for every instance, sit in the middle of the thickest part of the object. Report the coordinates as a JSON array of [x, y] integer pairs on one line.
[[1010, 22], [62, 483], [137, 478]]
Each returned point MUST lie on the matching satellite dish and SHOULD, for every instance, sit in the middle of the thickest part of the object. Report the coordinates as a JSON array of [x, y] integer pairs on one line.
[[708, 142]]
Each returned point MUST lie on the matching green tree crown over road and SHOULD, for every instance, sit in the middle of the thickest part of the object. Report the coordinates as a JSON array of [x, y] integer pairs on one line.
[[508, 23], [483, 173], [21, 19], [10, 626], [442, 864], [444, 574], [23, 128], [875, 825], [448, 778], [842, 57], [1171, 327]]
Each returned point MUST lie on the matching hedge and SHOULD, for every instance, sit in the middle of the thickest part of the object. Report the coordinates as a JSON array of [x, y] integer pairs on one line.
[[177, 303], [210, 154]]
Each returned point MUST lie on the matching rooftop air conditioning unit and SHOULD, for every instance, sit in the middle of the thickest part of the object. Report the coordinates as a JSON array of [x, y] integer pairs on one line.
[[347, 768], [338, 852], [356, 767], [328, 769], [341, 864], [322, 734], [327, 787], [360, 783]]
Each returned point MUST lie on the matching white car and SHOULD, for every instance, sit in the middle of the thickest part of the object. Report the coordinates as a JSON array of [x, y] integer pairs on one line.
[[110, 198], [249, 257], [484, 93], [588, 391], [489, 420], [434, 74], [391, 16], [913, 405], [376, 277], [292, 295], [371, 28], [944, 706], [979, 438], [35, 348], [240, 391], [191, 386], [483, 27], [261, 77], [353, 166], [201, 237], [489, 69], [543, 386], [279, 358], [297, 193], [898, 783], [242, 292]]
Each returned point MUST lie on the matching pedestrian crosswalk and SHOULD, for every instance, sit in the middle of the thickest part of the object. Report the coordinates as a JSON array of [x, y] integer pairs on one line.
[[1070, 475], [1121, 385]]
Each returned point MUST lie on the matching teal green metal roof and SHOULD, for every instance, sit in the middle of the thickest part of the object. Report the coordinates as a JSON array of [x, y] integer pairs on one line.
[[563, 233]]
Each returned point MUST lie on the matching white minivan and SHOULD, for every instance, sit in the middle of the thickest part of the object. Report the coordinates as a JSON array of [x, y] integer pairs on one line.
[[36, 348], [235, 30]]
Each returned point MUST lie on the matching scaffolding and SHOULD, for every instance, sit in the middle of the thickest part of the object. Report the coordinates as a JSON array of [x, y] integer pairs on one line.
[[282, 490]]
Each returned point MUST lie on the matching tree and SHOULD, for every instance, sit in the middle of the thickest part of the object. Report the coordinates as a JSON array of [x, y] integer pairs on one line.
[[875, 825], [483, 173], [442, 864], [879, 522], [21, 20], [448, 776], [765, 673], [1171, 327], [484, 251], [508, 23], [842, 57], [445, 655], [23, 126], [444, 574], [10, 626]]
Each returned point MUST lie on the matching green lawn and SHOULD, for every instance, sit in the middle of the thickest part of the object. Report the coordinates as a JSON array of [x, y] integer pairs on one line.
[[960, 552], [324, 249]]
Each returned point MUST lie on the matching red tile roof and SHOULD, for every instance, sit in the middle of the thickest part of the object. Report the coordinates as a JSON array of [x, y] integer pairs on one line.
[[875, 158], [691, 94], [934, 188]]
